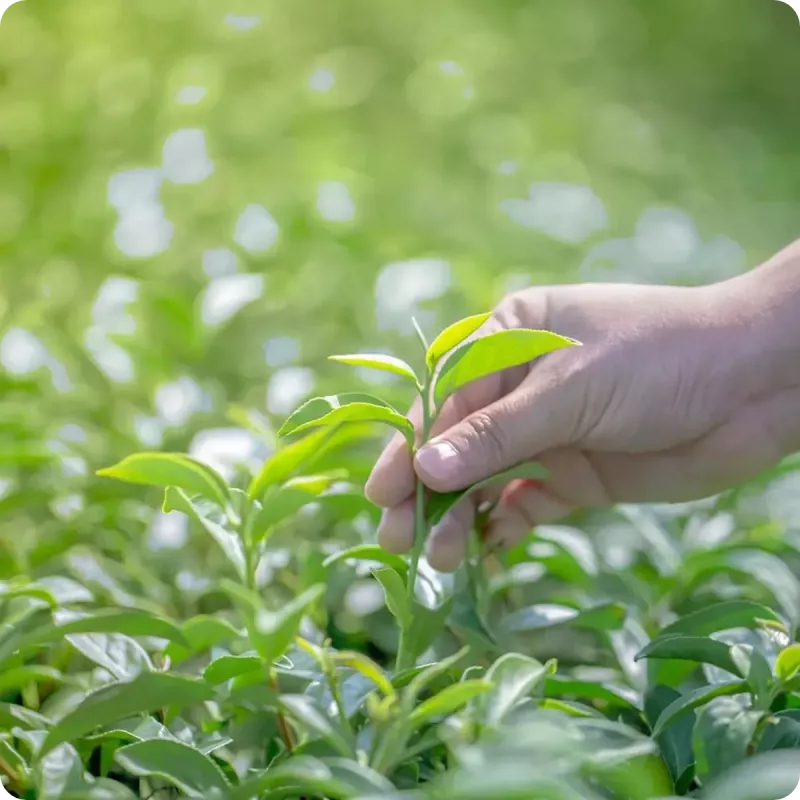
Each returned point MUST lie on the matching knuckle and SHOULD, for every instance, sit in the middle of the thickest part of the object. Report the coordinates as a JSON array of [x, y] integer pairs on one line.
[[493, 443]]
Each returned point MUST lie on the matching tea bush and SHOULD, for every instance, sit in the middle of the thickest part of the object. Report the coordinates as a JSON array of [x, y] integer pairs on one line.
[[556, 675]]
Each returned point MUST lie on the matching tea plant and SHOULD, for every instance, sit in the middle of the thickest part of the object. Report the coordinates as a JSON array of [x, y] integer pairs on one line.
[[557, 676]]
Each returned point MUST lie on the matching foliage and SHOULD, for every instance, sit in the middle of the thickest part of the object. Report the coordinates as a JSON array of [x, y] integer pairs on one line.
[[224, 624], [482, 688]]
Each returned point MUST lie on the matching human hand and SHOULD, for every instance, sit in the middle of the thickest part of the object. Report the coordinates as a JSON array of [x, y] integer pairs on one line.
[[669, 399]]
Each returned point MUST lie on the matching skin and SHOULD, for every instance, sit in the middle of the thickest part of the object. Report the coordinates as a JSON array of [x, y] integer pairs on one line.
[[676, 394]]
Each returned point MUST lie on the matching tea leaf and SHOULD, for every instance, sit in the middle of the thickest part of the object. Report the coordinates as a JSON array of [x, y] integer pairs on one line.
[[395, 592], [339, 409], [691, 648], [367, 667], [306, 776], [493, 353], [226, 667], [146, 693], [449, 700], [675, 742], [230, 544], [380, 362], [686, 703], [514, 677], [179, 764], [303, 709], [368, 552], [452, 336], [439, 503], [171, 469], [720, 617], [788, 663], [130, 622], [18, 677], [607, 617], [782, 731], [276, 630], [278, 505], [722, 736], [202, 632]]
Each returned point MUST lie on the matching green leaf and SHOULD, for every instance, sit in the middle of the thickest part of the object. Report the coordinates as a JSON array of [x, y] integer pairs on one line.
[[122, 656], [493, 353], [290, 458], [394, 589], [588, 691], [13, 715], [172, 469], [514, 677], [722, 736], [225, 668], [721, 617], [424, 676], [367, 667], [212, 523], [179, 764], [757, 672], [700, 649], [358, 778], [605, 617], [302, 709], [380, 362], [439, 503], [11, 758], [19, 677], [307, 776], [782, 732], [675, 740], [284, 501], [368, 552], [686, 703], [452, 336], [352, 407], [148, 692], [130, 622], [202, 632], [276, 630], [788, 663], [449, 700], [426, 625]]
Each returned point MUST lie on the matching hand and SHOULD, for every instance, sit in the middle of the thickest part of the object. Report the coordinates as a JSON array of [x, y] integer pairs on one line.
[[669, 399]]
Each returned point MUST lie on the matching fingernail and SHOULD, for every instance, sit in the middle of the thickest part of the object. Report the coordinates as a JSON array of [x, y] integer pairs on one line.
[[438, 460]]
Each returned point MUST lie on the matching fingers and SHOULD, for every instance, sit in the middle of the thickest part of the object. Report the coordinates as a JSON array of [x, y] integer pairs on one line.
[[396, 528], [523, 505], [447, 543], [392, 479], [542, 413]]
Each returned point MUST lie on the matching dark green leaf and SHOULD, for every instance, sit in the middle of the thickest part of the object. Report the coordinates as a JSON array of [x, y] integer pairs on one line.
[[212, 523], [146, 693], [339, 409], [700, 649], [720, 617], [194, 774], [452, 336], [283, 502], [782, 732], [599, 695], [172, 469], [439, 503], [674, 740], [122, 656], [686, 703], [722, 735], [493, 353], [202, 632], [308, 777], [394, 589], [368, 552], [380, 362]]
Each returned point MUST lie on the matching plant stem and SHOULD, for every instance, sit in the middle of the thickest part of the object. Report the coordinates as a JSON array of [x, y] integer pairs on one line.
[[404, 656], [283, 724]]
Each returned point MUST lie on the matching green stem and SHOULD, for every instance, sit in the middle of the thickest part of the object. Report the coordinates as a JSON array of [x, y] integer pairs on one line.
[[405, 657]]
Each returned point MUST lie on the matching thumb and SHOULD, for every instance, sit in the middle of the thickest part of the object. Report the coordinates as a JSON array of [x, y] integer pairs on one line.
[[510, 431]]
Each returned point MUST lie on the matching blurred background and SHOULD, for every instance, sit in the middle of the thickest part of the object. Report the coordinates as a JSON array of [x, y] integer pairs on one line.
[[202, 199]]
